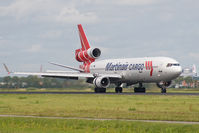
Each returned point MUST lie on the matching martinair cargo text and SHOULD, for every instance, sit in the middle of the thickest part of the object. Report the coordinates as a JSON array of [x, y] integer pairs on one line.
[[159, 70]]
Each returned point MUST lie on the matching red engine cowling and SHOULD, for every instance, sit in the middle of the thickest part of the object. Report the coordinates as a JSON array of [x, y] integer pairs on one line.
[[87, 55]]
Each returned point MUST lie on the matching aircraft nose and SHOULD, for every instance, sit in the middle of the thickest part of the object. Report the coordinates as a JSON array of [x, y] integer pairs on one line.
[[178, 71]]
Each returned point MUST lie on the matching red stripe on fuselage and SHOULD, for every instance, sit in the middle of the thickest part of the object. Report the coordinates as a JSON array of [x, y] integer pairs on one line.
[[151, 65]]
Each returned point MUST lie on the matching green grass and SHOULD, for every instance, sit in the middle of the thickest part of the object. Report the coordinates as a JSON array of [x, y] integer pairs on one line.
[[151, 107], [151, 89], [42, 125]]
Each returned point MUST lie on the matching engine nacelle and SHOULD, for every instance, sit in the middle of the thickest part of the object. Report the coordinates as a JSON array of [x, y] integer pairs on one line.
[[164, 84], [101, 82], [87, 55]]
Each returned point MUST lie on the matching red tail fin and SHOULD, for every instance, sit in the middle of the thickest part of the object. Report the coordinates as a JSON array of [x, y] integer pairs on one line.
[[86, 54], [83, 39]]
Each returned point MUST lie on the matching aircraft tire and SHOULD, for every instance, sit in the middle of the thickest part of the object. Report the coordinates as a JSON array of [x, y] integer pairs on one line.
[[163, 90], [135, 89], [139, 90], [100, 90], [118, 89], [143, 90]]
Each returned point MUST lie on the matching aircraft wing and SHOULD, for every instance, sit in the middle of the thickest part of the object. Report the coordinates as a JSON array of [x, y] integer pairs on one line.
[[56, 74], [67, 74]]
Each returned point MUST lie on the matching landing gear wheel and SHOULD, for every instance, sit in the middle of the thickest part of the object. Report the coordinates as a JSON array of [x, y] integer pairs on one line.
[[100, 90], [163, 90], [118, 89], [139, 90]]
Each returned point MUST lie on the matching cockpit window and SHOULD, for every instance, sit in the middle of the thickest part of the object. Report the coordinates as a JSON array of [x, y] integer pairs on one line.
[[172, 64], [169, 65]]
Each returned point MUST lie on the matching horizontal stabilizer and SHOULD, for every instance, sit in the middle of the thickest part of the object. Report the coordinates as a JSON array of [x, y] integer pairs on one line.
[[69, 67]]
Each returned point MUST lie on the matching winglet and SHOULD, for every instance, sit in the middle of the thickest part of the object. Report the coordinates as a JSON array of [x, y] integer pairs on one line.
[[6, 68]]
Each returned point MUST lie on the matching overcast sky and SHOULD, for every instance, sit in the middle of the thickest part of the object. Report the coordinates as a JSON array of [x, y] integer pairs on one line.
[[33, 32]]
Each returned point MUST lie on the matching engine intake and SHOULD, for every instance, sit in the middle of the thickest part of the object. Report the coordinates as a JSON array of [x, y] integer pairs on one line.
[[95, 53], [101, 82], [88, 55]]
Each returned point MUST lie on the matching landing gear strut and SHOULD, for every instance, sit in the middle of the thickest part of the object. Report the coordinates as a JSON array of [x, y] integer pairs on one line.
[[139, 89], [100, 90], [163, 85], [119, 88]]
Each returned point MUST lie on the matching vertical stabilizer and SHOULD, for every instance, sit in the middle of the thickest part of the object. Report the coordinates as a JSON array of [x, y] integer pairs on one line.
[[83, 39], [86, 54]]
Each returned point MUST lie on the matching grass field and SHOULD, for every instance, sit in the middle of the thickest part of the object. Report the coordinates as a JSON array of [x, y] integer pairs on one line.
[[41, 125], [151, 107], [151, 89]]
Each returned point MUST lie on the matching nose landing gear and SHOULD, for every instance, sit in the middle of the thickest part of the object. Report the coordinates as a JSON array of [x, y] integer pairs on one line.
[[163, 85], [163, 90]]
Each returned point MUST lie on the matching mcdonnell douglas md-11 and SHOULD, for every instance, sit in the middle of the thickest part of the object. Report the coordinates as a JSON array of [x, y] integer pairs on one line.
[[159, 70]]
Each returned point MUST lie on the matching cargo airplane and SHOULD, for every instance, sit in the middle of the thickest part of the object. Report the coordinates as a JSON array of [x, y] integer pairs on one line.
[[159, 70]]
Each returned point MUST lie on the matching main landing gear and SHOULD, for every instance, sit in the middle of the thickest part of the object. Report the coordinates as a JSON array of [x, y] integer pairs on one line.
[[100, 90], [118, 89], [140, 89]]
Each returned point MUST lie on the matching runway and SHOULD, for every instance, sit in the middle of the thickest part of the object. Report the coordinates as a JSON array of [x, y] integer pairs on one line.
[[92, 93]]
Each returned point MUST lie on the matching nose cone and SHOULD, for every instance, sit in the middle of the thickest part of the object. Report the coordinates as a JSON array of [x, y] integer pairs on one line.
[[178, 71]]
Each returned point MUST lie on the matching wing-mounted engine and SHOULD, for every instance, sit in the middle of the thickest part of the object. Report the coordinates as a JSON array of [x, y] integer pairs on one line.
[[101, 82], [87, 55], [163, 84]]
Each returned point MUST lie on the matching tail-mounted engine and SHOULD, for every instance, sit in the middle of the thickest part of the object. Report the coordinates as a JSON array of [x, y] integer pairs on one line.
[[164, 84], [101, 82], [87, 55]]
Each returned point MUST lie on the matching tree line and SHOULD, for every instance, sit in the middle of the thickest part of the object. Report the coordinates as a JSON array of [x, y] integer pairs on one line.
[[38, 82]]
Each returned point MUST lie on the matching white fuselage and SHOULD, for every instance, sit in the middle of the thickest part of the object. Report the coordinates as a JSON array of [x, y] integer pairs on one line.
[[135, 70]]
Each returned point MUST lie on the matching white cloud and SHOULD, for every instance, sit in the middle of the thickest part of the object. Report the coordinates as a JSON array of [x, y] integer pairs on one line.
[[21, 8], [34, 48], [194, 55], [97, 39], [52, 34], [47, 10], [72, 15], [166, 16], [136, 2]]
